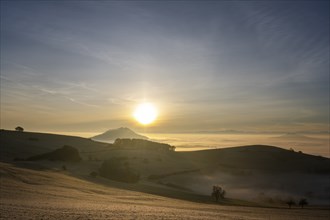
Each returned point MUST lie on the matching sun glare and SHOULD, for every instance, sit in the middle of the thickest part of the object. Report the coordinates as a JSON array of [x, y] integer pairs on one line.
[[145, 113]]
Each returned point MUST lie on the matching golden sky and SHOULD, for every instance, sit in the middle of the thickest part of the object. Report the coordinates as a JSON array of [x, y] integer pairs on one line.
[[207, 66]]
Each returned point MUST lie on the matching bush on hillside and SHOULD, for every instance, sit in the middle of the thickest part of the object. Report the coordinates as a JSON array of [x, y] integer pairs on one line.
[[303, 202], [19, 129], [290, 202], [218, 193], [115, 169], [93, 174], [65, 153]]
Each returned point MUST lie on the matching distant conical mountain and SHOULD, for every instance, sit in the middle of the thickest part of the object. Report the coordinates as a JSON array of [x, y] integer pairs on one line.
[[113, 134]]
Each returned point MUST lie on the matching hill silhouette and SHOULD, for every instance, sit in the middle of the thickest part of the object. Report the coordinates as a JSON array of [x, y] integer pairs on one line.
[[122, 132], [65, 153], [262, 158], [244, 171], [26, 144]]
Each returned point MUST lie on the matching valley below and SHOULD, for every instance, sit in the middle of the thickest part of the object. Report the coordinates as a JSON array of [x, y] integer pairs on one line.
[[258, 180]]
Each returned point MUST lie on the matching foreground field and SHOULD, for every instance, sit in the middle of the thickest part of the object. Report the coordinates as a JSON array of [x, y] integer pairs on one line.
[[51, 194]]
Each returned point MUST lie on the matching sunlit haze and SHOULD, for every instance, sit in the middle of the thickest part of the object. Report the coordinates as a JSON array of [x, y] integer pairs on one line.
[[165, 109], [84, 66]]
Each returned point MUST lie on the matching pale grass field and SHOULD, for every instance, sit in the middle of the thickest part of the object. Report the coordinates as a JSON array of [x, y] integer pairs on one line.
[[31, 194]]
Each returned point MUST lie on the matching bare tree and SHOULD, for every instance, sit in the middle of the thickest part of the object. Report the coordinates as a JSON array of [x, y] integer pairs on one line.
[[303, 202], [290, 203]]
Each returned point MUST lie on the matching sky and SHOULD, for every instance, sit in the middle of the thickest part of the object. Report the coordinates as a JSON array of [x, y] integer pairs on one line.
[[83, 66]]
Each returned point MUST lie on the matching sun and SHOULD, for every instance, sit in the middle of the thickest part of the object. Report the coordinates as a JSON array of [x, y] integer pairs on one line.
[[145, 113]]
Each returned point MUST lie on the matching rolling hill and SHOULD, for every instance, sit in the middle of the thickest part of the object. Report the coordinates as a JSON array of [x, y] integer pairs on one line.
[[53, 194], [258, 173]]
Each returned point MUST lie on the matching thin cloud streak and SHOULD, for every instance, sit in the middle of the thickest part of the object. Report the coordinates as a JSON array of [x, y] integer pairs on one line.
[[202, 62]]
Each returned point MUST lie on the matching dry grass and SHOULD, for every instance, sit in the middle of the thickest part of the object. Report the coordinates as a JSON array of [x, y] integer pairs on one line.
[[31, 194], [43, 190]]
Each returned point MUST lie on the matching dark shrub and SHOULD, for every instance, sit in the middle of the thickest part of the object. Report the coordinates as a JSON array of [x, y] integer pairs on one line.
[[115, 169], [19, 128], [93, 174], [303, 202], [290, 202], [65, 153], [218, 193]]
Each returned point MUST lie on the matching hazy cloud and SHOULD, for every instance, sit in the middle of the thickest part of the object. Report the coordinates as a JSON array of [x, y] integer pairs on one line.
[[207, 64]]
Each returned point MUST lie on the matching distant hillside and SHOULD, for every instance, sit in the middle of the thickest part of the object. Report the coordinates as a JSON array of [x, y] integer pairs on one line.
[[262, 158], [26, 144], [295, 136], [65, 153], [113, 134], [245, 172]]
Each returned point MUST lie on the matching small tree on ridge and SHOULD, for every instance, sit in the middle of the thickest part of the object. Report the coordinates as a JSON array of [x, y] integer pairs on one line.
[[303, 202], [218, 193], [290, 203], [19, 128]]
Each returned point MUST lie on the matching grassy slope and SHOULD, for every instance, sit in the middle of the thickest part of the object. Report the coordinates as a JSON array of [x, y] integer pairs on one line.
[[239, 165], [30, 194], [261, 157], [26, 144]]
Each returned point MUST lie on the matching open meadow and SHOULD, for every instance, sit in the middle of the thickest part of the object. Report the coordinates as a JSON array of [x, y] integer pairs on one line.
[[31, 194], [172, 185]]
